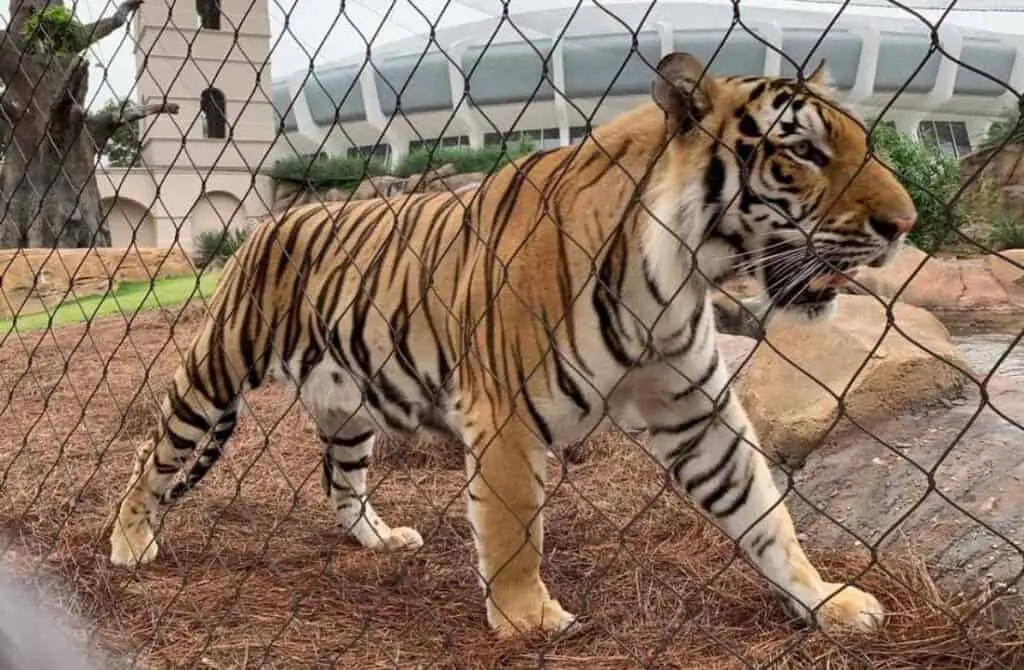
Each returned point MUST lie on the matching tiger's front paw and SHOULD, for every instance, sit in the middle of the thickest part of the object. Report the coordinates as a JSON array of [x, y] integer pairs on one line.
[[547, 616], [849, 609], [518, 611]]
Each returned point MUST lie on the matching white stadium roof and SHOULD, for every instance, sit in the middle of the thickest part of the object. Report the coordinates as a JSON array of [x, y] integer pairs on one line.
[[561, 65]]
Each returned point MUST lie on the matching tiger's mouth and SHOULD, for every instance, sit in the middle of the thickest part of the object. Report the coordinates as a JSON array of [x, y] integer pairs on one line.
[[800, 279]]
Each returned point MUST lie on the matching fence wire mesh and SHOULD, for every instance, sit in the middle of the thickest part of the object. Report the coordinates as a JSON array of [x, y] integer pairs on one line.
[[473, 228]]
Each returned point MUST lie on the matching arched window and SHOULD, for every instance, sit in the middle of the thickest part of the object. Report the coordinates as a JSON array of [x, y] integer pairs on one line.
[[212, 104], [209, 14]]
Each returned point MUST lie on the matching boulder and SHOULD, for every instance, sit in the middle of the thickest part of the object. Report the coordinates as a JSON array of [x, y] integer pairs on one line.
[[285, 190], [789, 382], [335, 195], [378, 187], [34, 280], [456, 182], [419, 182], [980, 289], [965, 520], [1008, 267]]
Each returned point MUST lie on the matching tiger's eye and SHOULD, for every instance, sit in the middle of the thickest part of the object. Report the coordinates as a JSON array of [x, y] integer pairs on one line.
[[802, 149]]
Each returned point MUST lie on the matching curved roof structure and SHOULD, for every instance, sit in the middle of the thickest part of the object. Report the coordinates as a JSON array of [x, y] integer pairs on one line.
[[498, 75]]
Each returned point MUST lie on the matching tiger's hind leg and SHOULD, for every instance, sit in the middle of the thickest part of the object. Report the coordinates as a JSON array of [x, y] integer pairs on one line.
[[347, 449], [188, 416]]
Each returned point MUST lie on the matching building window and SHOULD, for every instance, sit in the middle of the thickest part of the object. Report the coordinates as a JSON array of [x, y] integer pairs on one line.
[[209, 14], [949, 137], [378, 151], [577, 133], [460, 141], [213, 106], [550, 139]]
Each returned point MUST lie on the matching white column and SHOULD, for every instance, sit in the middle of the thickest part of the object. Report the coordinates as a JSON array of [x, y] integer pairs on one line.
[[867, 66], [396, 139], [773, 53], [463, 109], [308, 128], [952, 41], [907, 124], [1008, 99], [561, 104], [977, 128], [666, 37]]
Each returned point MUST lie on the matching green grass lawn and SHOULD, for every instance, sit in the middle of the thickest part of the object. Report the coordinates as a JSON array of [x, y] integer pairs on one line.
[[129, 298]]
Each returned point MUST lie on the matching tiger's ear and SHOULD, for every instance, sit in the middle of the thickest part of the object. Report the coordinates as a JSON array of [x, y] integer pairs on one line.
[[683, 90], [820, 76]]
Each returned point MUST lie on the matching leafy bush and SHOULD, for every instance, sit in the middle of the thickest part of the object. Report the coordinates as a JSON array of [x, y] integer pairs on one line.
[[486, 160], [216, 246], [1006, 232], [932, 179], [55, 30], [323, 172], [1010, 130]]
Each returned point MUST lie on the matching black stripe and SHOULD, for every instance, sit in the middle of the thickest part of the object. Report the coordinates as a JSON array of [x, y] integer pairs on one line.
[[351, 466], [682, 426], [762, 544], [288, 251], [186, 414], [353, 441], [163, 468], [539, 421], [714, 180], [748, 126], [740, 500], [178, 442], [705, 477]]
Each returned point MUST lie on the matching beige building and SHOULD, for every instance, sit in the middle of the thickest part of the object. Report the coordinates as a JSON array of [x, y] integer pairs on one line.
[[200, 167]]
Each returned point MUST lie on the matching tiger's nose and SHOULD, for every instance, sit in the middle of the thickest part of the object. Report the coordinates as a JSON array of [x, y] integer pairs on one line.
[[892, 228]]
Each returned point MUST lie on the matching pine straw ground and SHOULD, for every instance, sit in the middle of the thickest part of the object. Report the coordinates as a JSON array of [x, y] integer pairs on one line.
[[252, 573]]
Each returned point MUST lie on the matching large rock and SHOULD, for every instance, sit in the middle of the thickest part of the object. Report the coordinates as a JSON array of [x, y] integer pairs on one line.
[[944, 482], [416, 183], [790, 381], [984, 289], [378, 187], [34, 280], [456, 183]]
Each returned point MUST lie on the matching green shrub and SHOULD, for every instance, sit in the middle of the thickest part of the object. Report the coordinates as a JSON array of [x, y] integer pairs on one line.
[[320, 172], [932, 179], [1006, 232], [486, 160], [1010, 130], [55, 30], [214, 247]]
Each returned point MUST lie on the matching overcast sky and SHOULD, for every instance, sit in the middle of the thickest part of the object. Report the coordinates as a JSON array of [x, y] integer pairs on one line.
[[316, 29]]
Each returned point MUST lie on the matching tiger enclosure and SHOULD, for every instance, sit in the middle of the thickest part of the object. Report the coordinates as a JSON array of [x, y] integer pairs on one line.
[[433, 334]]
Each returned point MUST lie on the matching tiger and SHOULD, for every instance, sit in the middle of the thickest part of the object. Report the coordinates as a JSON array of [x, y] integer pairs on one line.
[[570, 285]]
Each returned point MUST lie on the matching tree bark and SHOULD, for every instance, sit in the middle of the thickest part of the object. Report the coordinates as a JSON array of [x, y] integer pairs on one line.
[[48, 190]]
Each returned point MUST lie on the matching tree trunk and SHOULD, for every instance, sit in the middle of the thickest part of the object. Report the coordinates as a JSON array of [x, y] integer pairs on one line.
[[48, 184]]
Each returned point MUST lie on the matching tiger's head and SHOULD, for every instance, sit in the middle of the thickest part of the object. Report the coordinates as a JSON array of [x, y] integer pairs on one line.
[[789, 189]]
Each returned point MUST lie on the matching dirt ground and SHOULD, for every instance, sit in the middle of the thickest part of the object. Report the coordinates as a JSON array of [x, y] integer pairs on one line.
[[253, 574]]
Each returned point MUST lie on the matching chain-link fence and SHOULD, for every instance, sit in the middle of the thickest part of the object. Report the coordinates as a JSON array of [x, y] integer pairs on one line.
[[496, 221]]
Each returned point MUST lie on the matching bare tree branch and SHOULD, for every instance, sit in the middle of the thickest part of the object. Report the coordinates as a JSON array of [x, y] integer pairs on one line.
[[100, 29], [101, 126]]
